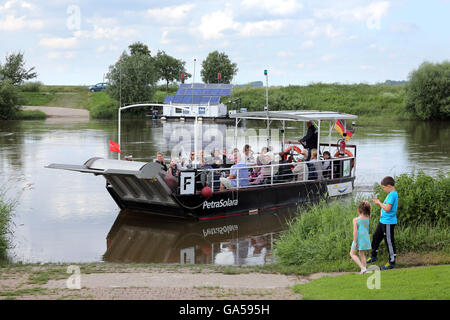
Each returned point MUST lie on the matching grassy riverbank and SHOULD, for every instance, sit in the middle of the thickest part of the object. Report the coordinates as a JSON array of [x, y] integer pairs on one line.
[[426, 283], [371, 102], [319, 239]]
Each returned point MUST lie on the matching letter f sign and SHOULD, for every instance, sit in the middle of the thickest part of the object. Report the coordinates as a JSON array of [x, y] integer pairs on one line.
[[187, 185]]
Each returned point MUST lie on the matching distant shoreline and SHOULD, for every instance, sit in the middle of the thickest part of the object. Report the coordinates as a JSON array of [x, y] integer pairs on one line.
[[58, 112]]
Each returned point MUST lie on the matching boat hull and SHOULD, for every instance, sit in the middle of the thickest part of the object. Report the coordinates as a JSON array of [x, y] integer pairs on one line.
[[239, 202]]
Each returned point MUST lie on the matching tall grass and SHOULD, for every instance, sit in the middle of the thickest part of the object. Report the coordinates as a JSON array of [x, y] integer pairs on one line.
[[6, 213], [320, 237], [359, 99], [422, 198]]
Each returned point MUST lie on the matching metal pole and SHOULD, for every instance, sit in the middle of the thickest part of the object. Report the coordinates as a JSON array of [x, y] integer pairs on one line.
[[118, 138], [318, 140], [267, 91], [195, 142], [120, 103]]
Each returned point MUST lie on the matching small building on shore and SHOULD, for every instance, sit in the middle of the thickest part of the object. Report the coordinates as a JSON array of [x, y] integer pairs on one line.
[[198, 98]]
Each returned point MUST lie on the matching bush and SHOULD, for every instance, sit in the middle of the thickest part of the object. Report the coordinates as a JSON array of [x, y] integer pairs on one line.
[[30, 115], [422, 198], [6, 209], [102, 106], [428, 91], [104, 110], [9, 100], [31, 86]]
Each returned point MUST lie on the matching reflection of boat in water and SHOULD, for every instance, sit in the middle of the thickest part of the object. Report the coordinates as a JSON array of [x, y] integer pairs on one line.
[[244, 240], [146, 187]]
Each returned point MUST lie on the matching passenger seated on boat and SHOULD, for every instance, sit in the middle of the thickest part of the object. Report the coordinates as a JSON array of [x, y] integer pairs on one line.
[[173, 168], [284, 169], [300, 170], [160, 160], [314, 167], [248, 155], [257, 176], [216, 159], [326, 165], [239, 168]]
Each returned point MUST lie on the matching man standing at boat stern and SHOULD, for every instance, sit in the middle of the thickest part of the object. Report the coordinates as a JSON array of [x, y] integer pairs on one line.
[[310, 140], [386, 225]]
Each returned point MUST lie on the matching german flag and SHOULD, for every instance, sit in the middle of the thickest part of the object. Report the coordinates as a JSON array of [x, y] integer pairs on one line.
[[346, 133]]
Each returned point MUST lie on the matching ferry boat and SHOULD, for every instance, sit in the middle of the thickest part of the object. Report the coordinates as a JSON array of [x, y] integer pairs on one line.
[[197, 194]]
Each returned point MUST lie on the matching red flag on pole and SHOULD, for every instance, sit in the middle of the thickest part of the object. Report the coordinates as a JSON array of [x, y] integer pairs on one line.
[[114, 146]]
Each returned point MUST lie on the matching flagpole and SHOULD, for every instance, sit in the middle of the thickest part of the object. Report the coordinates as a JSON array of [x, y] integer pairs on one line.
[[120, 103]]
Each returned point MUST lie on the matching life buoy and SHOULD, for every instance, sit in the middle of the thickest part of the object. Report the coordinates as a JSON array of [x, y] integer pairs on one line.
[[292, 148], [348, 154]]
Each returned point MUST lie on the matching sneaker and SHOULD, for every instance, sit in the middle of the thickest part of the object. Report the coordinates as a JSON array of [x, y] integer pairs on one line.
[[371, 260], [363, 271], [388, 266]]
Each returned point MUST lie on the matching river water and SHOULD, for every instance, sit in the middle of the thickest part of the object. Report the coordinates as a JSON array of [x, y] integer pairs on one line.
[[64, 216]]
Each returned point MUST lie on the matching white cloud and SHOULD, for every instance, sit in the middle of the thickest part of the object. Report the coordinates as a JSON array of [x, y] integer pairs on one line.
[[370, 14], [213, 24], [279, 7], [60, 55], [110, 33], [264, 28], [13, 23], [170, 15], [366, 67], [59, 43]]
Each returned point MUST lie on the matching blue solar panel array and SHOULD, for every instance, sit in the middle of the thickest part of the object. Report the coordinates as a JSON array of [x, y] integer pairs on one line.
[[200, 93]]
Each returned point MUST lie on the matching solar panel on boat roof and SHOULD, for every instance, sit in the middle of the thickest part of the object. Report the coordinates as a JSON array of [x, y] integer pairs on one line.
[[214, 100], [177, 99], [204, 100], [185, 86], [168, 99], [225, 92]]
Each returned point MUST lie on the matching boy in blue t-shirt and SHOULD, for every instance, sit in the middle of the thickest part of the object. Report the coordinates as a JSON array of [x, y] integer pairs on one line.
[[388, 220]]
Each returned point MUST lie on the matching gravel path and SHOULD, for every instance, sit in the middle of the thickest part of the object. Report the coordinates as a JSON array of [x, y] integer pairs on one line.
[[129, 283], [57, 112]]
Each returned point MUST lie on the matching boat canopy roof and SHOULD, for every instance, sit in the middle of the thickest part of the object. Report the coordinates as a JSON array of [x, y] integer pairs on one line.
[[294, 115]]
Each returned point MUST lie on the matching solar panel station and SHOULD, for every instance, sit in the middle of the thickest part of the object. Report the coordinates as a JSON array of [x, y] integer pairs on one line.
[[200, 98]]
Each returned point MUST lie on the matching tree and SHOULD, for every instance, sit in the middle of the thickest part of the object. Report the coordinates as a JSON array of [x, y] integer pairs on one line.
[[216, 63], [139, 48], [9, 99], [133, 77], [14, 69], [170, 68], [427, 93]]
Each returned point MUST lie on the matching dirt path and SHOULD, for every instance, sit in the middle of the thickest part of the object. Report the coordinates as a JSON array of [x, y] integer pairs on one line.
[[102, 282], [57, 112]]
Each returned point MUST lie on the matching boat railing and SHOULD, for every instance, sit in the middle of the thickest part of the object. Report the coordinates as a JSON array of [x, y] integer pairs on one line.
[[276, 173]]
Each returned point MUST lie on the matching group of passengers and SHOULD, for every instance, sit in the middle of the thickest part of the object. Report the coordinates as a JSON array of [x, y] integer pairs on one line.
[[244, 169]]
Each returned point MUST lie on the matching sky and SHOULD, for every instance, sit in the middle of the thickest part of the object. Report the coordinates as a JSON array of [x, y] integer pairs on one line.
[[298, 41]]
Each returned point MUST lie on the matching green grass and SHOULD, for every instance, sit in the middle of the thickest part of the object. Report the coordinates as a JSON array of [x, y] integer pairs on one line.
[[30, 115], [425, 283], [360, 99], [368, 101], [6, 213]]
